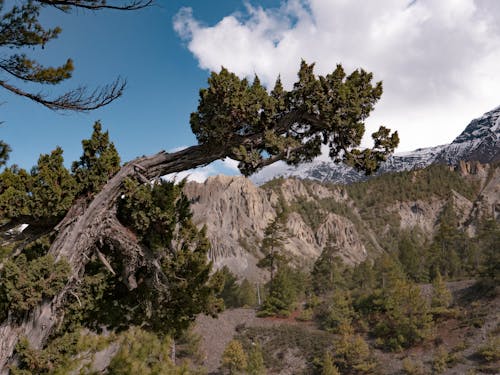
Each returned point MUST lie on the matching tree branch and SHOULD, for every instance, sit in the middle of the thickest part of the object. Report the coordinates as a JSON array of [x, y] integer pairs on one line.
[[75, 100], [64, 5]]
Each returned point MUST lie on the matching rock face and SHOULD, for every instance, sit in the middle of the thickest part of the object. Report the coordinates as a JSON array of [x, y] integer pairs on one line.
[[480, 141], [236, 214]]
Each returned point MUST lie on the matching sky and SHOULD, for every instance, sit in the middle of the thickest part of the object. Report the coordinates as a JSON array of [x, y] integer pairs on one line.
[[438, 61]]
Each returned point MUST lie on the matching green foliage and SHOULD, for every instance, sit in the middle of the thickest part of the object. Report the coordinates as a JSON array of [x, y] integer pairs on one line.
[[439, 360], [247, 294], [413, 367], [328, 368], [276, 340], [335, 310], [255, 364], [410, 251], [234, 359], [14, 193], [234, 294], [488, 239], [448, 247], [352, 353], [52, 189], [99, 162], [230, 291], [328, 271], [61, 356], [282, 295], [24, 284], [330, 109], [406, 320], [490, 352], [441, 295], [272, 246], [40, 198], [143, 353]]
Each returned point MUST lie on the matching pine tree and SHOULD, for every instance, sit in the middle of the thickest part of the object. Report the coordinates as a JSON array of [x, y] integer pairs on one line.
[[328, 367], [52, 189], [441, 295], [327, 271], [256, 361], [272, 246], [282, 294], [234, 359], [99, 162], [247, 294], [335, 310]]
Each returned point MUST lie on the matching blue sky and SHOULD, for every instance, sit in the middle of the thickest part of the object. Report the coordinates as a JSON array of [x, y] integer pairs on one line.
[[438, 62], [163, 80]]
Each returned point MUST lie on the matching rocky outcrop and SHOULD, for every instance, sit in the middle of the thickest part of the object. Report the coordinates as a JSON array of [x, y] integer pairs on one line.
[[236, 214]]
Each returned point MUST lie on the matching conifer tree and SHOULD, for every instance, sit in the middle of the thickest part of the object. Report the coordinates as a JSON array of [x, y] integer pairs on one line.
[[328, 367], [272, 246], [327, 271], [234, 359], [256, 361], [99, 162], [441, 295]]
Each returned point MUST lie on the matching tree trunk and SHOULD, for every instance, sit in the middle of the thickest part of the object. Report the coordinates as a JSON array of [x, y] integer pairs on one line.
[[82, 228]]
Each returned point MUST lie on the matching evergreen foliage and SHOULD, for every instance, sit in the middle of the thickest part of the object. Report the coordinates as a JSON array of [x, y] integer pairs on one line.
[[24, 284], [328, 271], [52, 189], [255, 364], [99, 162], [441, 295], [328, 367], [141, 352], [281, 296], [234, 359], [335, 310], [291, 125], [272, 246]]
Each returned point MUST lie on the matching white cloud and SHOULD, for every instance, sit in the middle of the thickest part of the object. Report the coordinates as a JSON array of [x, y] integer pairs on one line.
[[438, 59], [226, 166]]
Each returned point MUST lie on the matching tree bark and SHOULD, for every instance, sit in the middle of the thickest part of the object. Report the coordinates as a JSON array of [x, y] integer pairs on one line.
[[82, 229]]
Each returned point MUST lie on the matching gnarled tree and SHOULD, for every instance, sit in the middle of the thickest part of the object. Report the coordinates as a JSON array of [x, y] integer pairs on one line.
[[234, 119]]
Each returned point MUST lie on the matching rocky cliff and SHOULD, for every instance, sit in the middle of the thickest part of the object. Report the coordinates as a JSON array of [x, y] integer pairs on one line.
[[236, 212]]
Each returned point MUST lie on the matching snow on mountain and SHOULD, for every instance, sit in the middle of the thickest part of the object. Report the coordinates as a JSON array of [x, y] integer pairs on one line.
[[479, 141]]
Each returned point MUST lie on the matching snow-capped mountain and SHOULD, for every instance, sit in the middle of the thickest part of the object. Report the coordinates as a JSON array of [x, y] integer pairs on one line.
[[479, 141]]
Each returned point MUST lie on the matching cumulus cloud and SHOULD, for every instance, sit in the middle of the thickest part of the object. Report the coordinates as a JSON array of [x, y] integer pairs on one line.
[[438, 60]]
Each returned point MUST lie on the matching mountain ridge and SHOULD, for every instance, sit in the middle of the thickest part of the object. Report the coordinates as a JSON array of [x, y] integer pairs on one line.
[[479, 141]]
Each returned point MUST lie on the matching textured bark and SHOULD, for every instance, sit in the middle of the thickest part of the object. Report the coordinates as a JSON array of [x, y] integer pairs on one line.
[[83, 229]]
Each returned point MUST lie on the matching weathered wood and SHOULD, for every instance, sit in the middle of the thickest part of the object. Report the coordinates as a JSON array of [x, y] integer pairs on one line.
[[79, 232]]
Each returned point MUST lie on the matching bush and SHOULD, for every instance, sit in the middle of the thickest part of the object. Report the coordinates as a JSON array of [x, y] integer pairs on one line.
[[491, 351], [413, 367]]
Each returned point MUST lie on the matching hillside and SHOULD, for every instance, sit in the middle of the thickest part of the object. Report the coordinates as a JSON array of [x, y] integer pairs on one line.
[[363, 219]]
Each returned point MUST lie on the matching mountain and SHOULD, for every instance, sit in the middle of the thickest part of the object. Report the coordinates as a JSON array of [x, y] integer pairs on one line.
[[361, 220], [480, 141]]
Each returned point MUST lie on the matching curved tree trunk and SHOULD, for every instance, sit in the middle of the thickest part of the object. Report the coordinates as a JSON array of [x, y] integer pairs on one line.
[[82, 228]]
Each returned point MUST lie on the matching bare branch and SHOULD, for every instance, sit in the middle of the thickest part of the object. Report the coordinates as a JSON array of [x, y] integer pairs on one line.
[[77, 99], [65, 5]]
